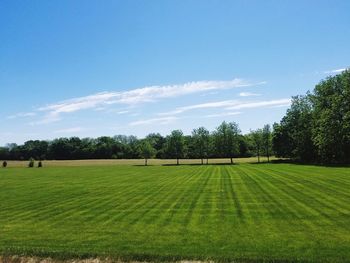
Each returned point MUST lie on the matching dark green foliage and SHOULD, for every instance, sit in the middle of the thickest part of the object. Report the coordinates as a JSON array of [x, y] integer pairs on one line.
[[266, 140], [157, 141], [147, 150], [40, 164], [331, 115], [31, 163], [175, 145], [200, 143], [257, 138], [317, 126], [226, 140]]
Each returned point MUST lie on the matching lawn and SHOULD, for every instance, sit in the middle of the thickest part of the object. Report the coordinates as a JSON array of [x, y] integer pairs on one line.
[[244, 212]]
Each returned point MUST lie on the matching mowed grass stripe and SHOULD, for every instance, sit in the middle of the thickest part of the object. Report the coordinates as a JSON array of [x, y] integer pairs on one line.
[[145, 200], [169, 200], [175, 204], [250, 212], [295, 191], [319, 220], [286, 208], [276, 209], [316, 198], [322, 184]]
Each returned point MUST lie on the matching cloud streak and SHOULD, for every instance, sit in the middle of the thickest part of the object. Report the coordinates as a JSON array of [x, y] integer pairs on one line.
[[21, 115], [340, 70], [137, 96], [229, 105], [224, 114], [248, 94]]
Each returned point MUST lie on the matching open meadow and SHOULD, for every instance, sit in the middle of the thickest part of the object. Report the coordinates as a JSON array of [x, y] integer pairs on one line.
[[245, 212]]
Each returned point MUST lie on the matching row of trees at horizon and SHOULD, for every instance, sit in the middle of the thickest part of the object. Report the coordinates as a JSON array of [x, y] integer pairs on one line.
[[225, 142], [316, 128]]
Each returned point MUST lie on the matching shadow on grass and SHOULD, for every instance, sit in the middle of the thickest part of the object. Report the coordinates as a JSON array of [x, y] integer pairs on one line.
[[265, 162], [298, 162], [197, 164]]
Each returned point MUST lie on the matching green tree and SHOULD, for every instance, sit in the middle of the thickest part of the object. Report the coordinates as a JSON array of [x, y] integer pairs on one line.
[[31, 163], [331, 116], [226, 140], [175, 145], [266, 138], [147, 151], [200, 139], [257, 138], [157, 141], [293, 136]]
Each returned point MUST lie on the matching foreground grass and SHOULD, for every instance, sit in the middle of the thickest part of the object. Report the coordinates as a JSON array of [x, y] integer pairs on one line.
[[247, 212]]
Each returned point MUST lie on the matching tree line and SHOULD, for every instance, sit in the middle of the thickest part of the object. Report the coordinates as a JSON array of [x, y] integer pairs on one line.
[[225, 142], [316, 128]]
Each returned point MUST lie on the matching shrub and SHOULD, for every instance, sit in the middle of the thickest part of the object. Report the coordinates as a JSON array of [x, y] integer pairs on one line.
[[4, 164], [40, 164], [31, 163]]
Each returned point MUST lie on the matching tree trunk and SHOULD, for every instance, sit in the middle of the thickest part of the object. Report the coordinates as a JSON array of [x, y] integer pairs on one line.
[[231, 160], [177, 161], [207, 160], [145, 161], [202, 161]]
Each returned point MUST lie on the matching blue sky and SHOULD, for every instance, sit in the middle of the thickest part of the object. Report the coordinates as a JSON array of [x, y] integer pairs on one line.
[[92, 68]]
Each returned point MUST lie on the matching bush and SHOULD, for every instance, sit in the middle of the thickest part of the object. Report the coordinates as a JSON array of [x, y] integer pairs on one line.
[[4, 164], [40, 164], [31, 163]]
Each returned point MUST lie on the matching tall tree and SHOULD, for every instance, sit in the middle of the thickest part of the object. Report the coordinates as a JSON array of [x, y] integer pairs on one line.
[[257, 138], [200, 138], [331, 115], [293, 136], [175, 145], [157, 141], [226, 140], [147, 151], [266, 136]]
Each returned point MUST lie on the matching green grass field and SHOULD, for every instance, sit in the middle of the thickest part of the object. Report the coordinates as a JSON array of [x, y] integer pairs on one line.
[[244, 212]]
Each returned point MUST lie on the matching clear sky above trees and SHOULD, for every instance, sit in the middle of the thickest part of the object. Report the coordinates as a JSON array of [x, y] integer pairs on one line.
[[80, 68]]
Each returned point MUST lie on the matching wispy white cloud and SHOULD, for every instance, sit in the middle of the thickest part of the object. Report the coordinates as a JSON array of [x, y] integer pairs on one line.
[[136, 96], [70, 130], [223, 114], [248, 94], [48, 118], [229, 105], [216, 104], [340, 70], [162, 121], [21, 115], [122, 112], [260, 104]]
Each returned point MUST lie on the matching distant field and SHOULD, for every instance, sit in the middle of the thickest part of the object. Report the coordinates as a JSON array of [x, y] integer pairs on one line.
[[245, 212], [108, 162]]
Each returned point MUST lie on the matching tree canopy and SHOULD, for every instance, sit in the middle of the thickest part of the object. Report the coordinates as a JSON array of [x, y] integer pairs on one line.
[[316, 128]]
